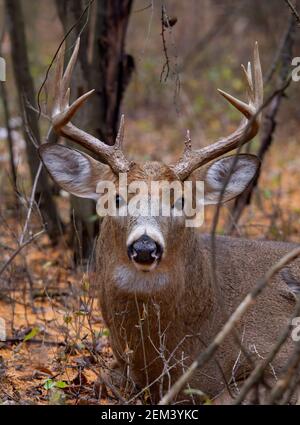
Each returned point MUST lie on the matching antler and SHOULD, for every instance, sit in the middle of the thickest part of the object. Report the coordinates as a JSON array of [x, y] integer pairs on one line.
[[248, 128], [63, 112]]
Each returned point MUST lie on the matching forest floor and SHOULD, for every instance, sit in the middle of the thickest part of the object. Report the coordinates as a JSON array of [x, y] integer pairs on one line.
[[57, 345]]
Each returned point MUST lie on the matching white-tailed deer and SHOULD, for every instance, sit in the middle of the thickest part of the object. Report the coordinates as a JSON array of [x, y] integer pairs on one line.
[[153, 272]]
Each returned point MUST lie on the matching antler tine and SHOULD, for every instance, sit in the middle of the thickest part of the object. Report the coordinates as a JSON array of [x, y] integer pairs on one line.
[[243, 107], [66, 101], [249, 72], [57, 80], [247, 129], [70, 111], [66, 80], [63, 113], [120, 136], [248, 78], [188, 141], [258, 78]]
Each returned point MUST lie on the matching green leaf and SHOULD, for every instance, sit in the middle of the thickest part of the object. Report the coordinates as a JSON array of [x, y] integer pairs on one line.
[[47, 265], [48, 384], [81, 313], [67, 319], [199, 393], [105, 332], [267, 194], [61, 384], [93, 218], [32, 334]]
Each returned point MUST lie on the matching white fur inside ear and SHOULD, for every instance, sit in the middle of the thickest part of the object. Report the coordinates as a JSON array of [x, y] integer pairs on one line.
[[244, 171], [71, 170]]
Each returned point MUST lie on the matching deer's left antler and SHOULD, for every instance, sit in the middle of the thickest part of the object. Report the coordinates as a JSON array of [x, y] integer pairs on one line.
[[192, 159]]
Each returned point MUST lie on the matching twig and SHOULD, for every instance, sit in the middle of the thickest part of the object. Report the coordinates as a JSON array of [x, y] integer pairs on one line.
[[6, 247], [19, 249], [166, 66], [31, 202], [87, 8], [250, 299], [293, 10], [216, 29], [143, 9], [106, 382], [284, 381], [283, 54], [213, 264], [260, 368], [34, 341]]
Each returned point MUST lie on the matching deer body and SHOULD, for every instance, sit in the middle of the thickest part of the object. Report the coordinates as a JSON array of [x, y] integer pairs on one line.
[[153, 271], [163, 319]]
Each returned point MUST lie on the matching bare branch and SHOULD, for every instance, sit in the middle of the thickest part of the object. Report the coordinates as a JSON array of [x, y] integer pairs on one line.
[[249, 300], [19, 249], [293, 10]]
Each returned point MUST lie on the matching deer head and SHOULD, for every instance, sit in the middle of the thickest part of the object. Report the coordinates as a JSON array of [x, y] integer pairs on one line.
[[145, 241]]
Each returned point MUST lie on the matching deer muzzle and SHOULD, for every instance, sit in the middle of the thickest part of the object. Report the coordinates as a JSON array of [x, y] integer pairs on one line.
[[145, 252]]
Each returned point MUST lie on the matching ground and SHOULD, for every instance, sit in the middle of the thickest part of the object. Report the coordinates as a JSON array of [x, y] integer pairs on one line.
[[57, 346]]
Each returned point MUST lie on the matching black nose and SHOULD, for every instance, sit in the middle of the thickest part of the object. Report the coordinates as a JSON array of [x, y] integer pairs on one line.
[[145, 250]]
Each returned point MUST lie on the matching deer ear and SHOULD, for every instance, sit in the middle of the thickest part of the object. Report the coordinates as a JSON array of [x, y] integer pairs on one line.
[[215, 175], [74, 171]]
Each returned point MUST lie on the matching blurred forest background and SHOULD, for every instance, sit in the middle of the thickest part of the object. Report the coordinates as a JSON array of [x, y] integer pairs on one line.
[[160, 63]]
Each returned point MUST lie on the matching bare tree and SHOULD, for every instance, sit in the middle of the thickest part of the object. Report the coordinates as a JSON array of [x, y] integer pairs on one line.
[[26, 92], [111, 67], [103, 66], [7, 117]]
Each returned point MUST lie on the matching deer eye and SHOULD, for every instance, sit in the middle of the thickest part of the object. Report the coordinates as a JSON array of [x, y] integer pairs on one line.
[[179, 204], [119, 201]]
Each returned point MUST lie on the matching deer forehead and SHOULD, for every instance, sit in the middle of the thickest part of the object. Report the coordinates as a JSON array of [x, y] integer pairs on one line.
[[151, 171]]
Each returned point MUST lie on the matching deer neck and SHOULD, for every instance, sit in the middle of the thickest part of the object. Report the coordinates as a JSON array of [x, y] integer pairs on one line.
[[176, 291]]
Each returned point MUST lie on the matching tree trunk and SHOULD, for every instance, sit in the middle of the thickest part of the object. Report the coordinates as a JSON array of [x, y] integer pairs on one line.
[[9, 137], [4, 98], [111, 67], [25, 87], [83, 227], [108, 72]]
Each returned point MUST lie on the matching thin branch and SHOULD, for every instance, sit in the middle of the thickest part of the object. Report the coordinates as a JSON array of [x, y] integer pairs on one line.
[[143, 9], [31, 202], [290, 370], [260, 368], [19, 249], [166, 66], [213, 265], [283, 54], [293, 10], [87, 8], [34, 341], [249, 300]]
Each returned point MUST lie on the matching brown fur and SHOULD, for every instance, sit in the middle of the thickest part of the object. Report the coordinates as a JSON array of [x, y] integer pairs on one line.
[[168, 326]]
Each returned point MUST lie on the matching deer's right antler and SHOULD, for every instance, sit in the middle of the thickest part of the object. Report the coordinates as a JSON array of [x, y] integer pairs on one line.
[[63, 112]]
